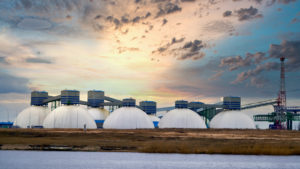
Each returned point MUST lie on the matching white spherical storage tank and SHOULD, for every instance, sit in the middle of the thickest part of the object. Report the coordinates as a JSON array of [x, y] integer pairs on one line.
[[69, 117], [232, 120], [181, 118], [128, 118], [31, 117]]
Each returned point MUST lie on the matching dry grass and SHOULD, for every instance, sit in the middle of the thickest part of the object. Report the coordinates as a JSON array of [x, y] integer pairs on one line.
[[157, 141], [231, 147]]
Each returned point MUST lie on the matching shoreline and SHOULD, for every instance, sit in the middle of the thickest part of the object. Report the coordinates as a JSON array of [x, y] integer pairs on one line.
[[184, 141]]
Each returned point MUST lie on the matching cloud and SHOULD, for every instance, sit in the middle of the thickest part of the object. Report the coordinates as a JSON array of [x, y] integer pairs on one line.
[[148, 14], [255, 72], [31, 23], [203, 81], [191, 55], [167, 8], [3, 60], [136, 19], [217, 75], [259, 81], [13, 84], [295, 20], [26, 3], [174, 40], [113, 20], [258, 57], [285, 1], [248, 13], [236, 62], [188, 0], [289, 49], [98, 16], [258, 1], [67, 17], [227, 13], [38, 60], [192, 50], [272, 2], [125, 19], [169, 44], [193, 46], [219, 26], [164, 21], [125, 49]]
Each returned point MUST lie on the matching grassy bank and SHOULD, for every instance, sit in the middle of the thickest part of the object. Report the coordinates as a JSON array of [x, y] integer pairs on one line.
[[210, 141]]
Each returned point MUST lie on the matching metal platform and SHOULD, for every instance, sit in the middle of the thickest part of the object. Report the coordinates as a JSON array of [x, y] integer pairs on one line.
[[272, 117]]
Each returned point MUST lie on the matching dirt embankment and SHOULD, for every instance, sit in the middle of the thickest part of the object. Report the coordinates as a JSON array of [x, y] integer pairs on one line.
[[209, 141]]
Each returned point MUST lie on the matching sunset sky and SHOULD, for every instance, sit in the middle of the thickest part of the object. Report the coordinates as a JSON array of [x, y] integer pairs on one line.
[[160, 50]]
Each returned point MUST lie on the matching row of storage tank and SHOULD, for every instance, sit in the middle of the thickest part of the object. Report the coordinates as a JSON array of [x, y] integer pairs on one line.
[[73, 115]]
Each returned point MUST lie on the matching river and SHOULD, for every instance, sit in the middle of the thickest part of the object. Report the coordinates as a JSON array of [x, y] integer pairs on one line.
[[121, 160]]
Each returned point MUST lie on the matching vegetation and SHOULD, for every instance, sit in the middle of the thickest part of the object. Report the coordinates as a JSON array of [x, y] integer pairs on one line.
[[267, 142]]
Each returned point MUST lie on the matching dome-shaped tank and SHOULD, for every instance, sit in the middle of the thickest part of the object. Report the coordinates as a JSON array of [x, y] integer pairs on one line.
[[181, 118], [233, 120], [32, 116], [69, 117], [99, 115], [128, 118], [155, 120]]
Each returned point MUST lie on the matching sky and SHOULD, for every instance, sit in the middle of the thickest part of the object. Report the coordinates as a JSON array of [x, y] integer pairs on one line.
[[161, 50]]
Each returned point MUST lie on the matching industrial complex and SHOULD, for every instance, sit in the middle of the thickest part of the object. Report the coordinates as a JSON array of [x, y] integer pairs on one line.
[[101, 111]]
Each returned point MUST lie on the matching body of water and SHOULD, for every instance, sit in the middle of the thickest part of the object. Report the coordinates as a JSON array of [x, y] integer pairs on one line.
[[112, 160]]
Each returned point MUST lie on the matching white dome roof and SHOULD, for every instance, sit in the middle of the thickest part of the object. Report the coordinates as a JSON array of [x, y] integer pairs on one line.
[[69, 117], [232, 119], [181, 118], [31, 116], [128, 118], [98, 113]]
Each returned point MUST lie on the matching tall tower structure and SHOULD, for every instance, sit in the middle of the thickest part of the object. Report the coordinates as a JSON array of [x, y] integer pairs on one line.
[[281, 101], [282, 92]]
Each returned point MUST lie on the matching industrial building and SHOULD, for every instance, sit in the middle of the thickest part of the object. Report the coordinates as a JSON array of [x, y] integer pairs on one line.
[[231, 102], [70, 114], [128, 117], [68, 111], [232, 120], [149, 107], [181, 117], [33, 116], [97, 111]]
